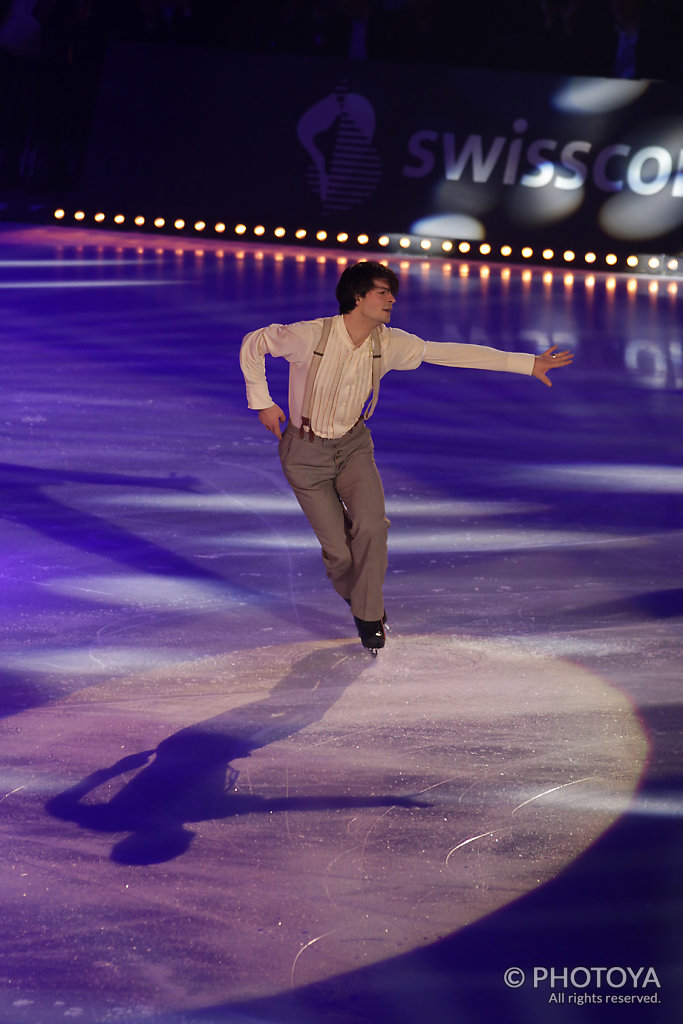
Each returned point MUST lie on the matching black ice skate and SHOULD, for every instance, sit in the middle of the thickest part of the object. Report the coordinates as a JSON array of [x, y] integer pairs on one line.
[[372, 635]]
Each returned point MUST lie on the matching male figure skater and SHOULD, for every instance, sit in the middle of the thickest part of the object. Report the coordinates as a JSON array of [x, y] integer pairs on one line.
[[326, 449]]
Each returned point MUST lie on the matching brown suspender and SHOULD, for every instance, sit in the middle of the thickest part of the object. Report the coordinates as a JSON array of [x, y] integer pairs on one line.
[[376, 374], [318, 353]]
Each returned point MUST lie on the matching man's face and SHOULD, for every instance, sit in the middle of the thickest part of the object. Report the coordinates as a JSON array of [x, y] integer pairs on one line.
[[377, 303]]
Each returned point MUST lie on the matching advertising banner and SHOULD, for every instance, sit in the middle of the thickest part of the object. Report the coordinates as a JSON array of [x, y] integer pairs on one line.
[[361, 146]]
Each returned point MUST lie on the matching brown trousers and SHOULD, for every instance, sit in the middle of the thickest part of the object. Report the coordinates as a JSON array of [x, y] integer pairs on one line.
[[336, 483]]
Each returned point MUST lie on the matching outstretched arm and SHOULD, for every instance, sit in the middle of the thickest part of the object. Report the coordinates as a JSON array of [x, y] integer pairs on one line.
[[406, 351], [550, 360]]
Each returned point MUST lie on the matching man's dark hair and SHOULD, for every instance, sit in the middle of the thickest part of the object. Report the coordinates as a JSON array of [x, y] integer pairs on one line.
[[357, 280]]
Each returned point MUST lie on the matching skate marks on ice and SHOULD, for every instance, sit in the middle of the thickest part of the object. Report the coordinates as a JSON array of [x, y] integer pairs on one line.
[[269, 818]]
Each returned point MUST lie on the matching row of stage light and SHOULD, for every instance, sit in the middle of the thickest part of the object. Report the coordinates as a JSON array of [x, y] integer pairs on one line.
[[633, 283], [657, 264]]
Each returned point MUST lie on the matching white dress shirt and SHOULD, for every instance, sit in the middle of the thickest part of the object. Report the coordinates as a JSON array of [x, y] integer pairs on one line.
[[344, 378]]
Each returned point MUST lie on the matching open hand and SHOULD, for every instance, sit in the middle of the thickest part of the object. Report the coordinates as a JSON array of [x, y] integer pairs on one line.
[[550, 360]]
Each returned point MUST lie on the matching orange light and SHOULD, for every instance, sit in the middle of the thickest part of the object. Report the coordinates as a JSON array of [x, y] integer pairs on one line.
[[527, 252], [404, 243], [568, 280], [610, 259], [464, 247], [179, 224], [383, 240], [200, 225], [219, 228], [139, 221], [547, 277], [653, 287], [259, 230], [632, 285], [447, 246], [79, 215], [59, 214], [632, 261], [279, 232], [119, 219], [99, 217], [300, 233], [506, 250], [590, 257], [569, 256], [240, 229], [425, 244], [485, 248], [159, 222], [321, 235], [363, 239], [548, 254]]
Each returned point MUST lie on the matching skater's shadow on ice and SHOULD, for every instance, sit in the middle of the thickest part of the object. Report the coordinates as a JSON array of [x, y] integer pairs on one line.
[[189, 777]]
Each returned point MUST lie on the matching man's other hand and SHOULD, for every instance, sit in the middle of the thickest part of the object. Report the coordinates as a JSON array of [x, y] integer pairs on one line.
[[271, 418]]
